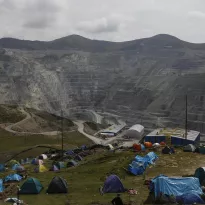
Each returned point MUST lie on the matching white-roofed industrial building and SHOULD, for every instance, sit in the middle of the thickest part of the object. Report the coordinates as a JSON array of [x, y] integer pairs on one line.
[[175, 136], [135, 132], [113, 130]]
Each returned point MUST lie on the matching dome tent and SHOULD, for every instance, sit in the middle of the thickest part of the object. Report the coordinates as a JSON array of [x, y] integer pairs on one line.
[[189, 148], [13, 177], [40, 168], [200, 174], [31, 186], [43, 156], [57, 185], [54, 168], [113, 184]]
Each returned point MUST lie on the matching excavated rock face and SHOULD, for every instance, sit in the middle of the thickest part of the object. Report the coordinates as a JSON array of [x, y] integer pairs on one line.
[[143, 81]]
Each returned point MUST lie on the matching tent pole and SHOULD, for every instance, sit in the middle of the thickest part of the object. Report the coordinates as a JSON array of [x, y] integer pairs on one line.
[[186, 119], [62, 132]]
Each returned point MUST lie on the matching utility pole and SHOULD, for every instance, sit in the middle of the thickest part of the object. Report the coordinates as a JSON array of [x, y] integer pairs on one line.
[[186, 119], [62, 132]]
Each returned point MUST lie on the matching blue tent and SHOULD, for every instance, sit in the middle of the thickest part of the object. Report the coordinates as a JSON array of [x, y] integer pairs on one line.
[[1, 186], [189, 198], [14, 167], [175, 186], [83, 147], [2, 168], [13, 177], [78, 158], [113, 185], [72, 163], [70, 152], [60, 165]]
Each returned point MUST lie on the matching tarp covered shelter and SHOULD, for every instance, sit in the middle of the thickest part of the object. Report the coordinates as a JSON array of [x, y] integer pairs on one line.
[[13, 177], [2, 168], [189, 148], [72, 163], [57, 185], [150, 158], [31, 186], [200, 174], [139, 165], [41, 168], [113, 184], [175, 186]]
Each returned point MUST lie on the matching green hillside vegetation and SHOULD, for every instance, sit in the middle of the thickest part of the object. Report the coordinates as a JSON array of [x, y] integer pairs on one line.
[[53, 120], [12, 144], [10, 114], [85, 179]]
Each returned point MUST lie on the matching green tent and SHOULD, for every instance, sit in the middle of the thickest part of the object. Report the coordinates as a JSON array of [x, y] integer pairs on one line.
[[12, 162], [200, 174], [31, 186]]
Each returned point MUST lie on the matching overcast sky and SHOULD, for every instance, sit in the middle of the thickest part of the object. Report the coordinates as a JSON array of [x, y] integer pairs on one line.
[[114, 20]]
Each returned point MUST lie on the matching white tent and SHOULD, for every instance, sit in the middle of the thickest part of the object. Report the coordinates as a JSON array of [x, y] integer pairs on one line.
[[110, 146], [44, 156], [189, 148]]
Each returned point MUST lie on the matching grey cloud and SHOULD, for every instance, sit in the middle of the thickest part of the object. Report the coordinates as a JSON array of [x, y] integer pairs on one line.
[[132, 19], [102, 25], [42, 14], [197, 14]]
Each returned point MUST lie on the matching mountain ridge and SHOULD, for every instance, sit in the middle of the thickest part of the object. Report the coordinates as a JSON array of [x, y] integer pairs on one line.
[[77, 42]]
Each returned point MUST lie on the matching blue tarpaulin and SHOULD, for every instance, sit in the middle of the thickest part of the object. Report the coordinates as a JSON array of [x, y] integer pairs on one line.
[[138, 166], [176, 186]]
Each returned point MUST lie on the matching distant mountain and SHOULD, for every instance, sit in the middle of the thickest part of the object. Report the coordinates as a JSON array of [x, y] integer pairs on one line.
[[142, 81], [76, 42]]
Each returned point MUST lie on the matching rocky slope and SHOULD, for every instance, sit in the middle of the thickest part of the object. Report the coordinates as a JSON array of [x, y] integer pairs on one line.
[[143, 81]]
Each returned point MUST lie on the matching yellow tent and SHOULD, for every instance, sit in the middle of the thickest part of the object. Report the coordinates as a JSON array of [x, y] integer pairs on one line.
[[41, 168]]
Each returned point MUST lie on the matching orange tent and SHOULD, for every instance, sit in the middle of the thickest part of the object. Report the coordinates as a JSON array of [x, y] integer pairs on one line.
[[162, 143], [137, 147], [148, 144]]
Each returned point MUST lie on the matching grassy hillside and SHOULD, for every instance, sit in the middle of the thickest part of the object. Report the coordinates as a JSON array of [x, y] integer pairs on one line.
[[42, 121], [85, 179], [11, 144], [10, 114]]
